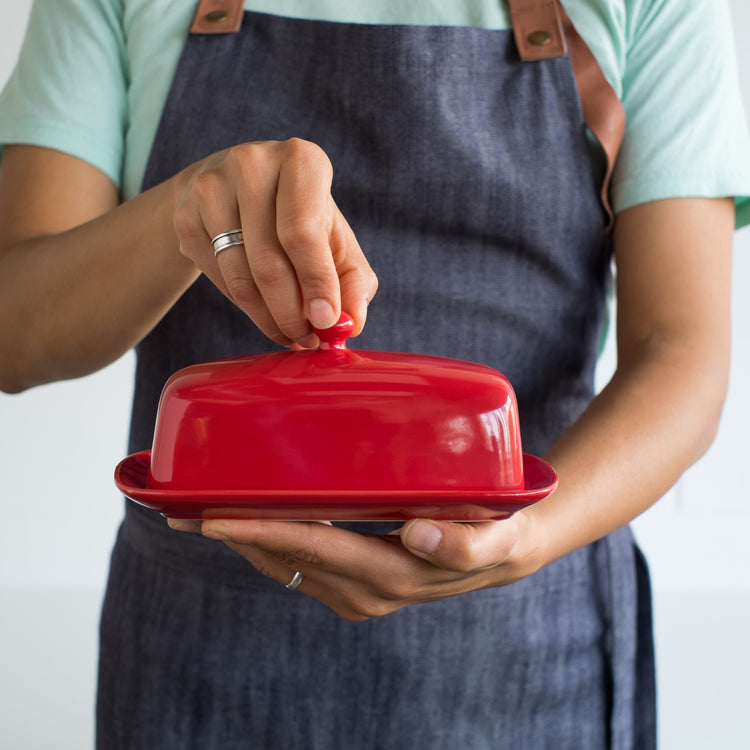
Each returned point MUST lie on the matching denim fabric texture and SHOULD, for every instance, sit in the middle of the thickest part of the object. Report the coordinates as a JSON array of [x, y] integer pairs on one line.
[[466, 176]]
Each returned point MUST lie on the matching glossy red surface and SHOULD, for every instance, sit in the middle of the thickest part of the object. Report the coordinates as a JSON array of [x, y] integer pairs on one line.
[[450, 505], [295, 433]]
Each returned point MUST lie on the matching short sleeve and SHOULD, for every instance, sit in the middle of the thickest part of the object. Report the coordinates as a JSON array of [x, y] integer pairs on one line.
[[686, 132], [68, 90]]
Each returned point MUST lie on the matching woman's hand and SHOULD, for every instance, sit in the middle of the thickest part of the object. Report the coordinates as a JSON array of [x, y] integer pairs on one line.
[[300, 262], [61, 229], [361, 576], [655, 417]]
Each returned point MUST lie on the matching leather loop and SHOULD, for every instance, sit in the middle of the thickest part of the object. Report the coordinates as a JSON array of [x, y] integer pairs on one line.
[[538, 29], [602, 109], [542, 30], [218, 17]]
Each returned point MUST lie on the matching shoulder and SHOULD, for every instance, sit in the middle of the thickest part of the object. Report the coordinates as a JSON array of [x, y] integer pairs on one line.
[[71, 48], [672, 64], [629, 35]]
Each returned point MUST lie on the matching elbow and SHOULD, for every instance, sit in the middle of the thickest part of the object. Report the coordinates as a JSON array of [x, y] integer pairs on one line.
[[704, 442], [11, 389], [14, 376], [708, 435], [714, 407], [11, 385]]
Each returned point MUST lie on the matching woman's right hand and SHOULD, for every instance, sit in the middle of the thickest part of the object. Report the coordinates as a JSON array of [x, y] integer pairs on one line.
[[83, 277], [300, 263]]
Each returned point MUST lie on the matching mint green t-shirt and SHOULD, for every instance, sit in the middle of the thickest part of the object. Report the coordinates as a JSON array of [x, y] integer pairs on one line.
[[93, 76]]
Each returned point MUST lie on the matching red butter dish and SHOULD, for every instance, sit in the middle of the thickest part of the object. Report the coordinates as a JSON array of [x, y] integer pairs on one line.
[[336, 434]]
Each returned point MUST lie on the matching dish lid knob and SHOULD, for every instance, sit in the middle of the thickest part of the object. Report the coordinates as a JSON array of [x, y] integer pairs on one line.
[[335, 337]]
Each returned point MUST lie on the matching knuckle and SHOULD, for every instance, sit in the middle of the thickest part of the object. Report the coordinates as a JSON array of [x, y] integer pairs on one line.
[[207, 186], [319, 278], [242, 288], [370, 609], [309, 556], [268, 269], [185, 223], [395, 589], [466, 556], [308, 154], [242, 153], [305, 555], [371, 284], [249, 160], [301, 234]]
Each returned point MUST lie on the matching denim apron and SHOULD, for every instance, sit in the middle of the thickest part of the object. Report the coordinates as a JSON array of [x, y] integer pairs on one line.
[[466, 176]]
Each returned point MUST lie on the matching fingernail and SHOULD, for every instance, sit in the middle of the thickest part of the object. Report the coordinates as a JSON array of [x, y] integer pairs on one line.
[[321, 313], [308, 342], [424, 537]]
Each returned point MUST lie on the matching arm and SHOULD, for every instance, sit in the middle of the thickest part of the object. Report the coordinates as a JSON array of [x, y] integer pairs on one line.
[[660, 411], [656, 417], [83, 279]]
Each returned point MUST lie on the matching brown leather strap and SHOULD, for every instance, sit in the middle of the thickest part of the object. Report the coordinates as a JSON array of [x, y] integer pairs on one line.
[[218, 17], [538, 29], [534, 21], [602, 109]]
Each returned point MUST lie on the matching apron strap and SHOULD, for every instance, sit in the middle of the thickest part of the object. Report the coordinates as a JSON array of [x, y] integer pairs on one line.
[[542, 30], [218, 17], [538, 29]]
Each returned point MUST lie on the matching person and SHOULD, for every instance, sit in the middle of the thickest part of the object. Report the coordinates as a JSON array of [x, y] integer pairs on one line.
[[408, 150]]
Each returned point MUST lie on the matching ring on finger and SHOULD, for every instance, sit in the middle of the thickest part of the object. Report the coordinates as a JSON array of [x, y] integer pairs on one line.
[[297, 579], [227, 239]]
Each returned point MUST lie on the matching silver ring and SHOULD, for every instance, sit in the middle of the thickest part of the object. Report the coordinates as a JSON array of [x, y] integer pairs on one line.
[[297, 579], [227, 239]]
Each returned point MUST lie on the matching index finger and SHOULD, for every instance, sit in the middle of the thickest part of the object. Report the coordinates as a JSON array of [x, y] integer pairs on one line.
[[321, 546], [304, 224]]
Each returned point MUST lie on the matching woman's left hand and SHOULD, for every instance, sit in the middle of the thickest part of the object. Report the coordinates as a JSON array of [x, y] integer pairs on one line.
[[673, 307], [361, 576]]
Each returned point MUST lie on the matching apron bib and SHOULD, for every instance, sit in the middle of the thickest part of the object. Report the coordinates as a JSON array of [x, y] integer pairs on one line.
[[466, 176]]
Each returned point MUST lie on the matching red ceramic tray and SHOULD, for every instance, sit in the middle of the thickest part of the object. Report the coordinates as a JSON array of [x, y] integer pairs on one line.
[[131, 477]]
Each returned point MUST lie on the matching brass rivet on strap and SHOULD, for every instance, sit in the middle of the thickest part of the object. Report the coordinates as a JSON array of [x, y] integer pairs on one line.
[[539, 38], [215, 16]]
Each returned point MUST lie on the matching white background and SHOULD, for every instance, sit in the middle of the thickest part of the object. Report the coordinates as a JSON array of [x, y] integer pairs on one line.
[[59, 444]]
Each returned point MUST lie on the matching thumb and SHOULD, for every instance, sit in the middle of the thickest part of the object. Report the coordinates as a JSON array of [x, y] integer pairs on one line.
[[460, 546]]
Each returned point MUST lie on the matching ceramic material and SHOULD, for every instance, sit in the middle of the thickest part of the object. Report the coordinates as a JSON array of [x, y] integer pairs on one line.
[[338, 505], [337, 434]]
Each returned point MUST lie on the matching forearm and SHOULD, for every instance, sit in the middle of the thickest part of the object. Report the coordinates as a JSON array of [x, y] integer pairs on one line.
[[74, 301], [82, 281], [636, 439], [661, 410]]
